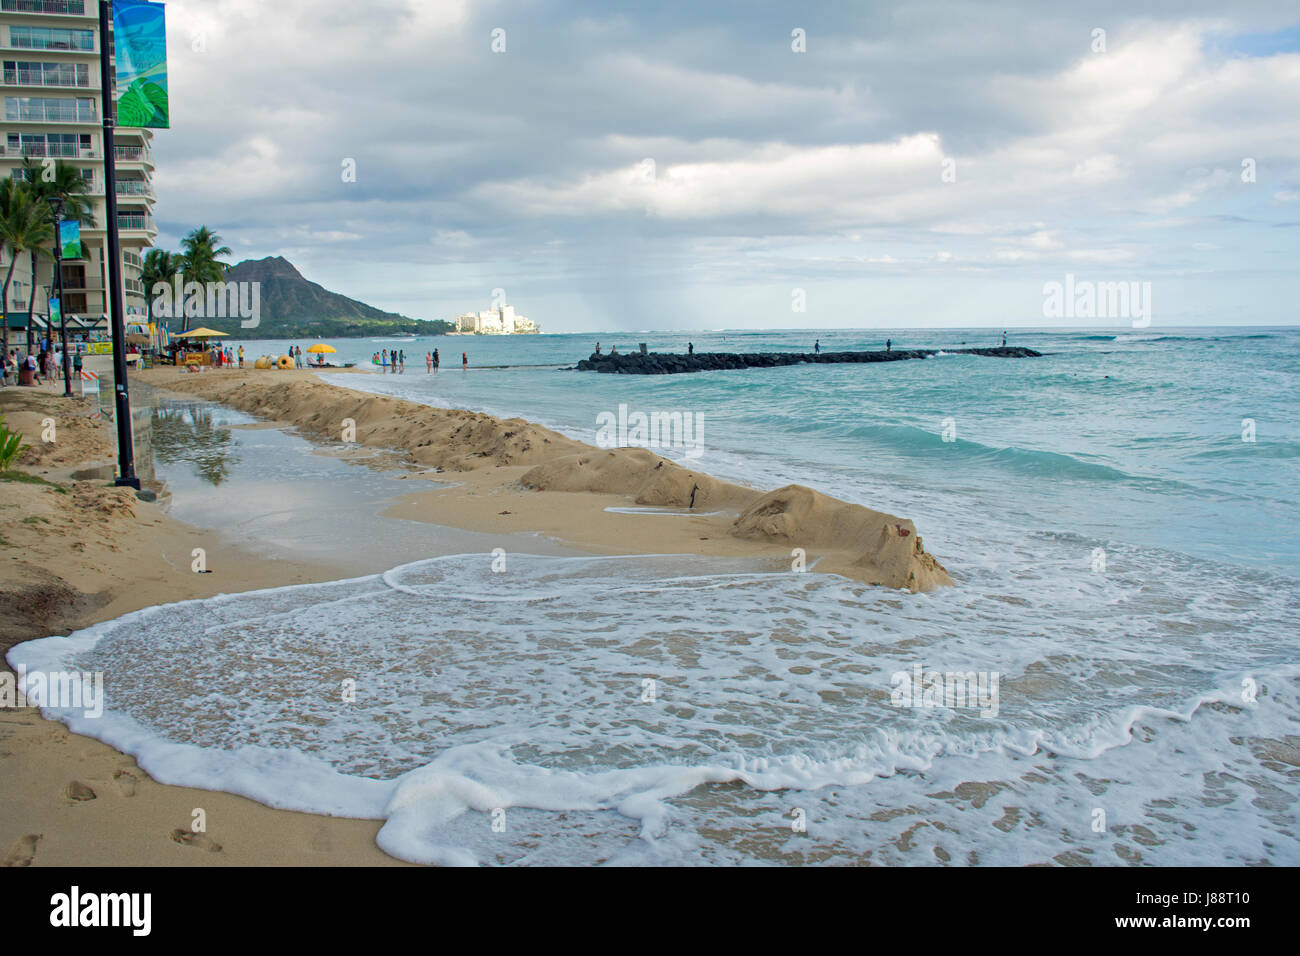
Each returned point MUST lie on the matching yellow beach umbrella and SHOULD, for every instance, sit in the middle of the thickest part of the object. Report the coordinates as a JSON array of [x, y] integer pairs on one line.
[[200, 334], [322, 347]]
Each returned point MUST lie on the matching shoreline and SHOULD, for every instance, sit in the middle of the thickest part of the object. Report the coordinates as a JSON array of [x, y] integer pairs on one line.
[[72, 800]]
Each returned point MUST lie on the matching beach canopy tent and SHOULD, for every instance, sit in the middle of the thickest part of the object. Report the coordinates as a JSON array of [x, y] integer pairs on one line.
[[202, 333], [18, 320], [202, 356]]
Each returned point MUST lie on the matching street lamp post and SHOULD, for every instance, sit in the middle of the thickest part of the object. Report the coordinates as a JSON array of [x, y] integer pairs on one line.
[[113, 299], [56, 204]]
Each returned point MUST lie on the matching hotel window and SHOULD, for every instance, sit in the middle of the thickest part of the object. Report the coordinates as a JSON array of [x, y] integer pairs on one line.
[[51, 38], [49, 109], [35, 73]]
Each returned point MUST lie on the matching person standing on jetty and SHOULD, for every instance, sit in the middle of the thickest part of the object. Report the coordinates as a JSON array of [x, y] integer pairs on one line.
[[817, 347], [1004, 339], [690, 348], [888, 345], [464, 361]]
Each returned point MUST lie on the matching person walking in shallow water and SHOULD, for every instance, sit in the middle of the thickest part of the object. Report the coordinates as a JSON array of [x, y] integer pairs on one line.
[[428, 363], [464, 361], [436, 361]]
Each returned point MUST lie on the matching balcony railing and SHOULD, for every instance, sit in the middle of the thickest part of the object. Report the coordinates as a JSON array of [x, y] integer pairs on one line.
[[131, 154], [50, 113], [134, 187], [134, 221], [74, 45], [133, 286], [47, 79], [132, 260], [67, 7], [57, 150]]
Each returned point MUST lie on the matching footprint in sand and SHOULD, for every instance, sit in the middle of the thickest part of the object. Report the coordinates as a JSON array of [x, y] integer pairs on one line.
[[23, 852], [197, 840], [127, 782], [78, 792]]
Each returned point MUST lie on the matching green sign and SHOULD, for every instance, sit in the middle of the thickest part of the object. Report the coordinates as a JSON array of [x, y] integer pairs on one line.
[[140, 51], [56, 313], [70, 239]]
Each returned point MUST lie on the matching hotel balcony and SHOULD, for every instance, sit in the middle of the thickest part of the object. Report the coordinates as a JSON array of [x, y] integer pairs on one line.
[[69, 112], [135, 187], [129, 155], [53, 8], [136, 226], [33, 79], [56, 150]]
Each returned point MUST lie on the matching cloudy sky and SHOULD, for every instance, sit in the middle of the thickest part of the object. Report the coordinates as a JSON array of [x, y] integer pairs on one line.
[[683, 165]]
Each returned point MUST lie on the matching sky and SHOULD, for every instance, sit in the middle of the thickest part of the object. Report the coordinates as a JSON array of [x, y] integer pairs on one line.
[[747, 165]]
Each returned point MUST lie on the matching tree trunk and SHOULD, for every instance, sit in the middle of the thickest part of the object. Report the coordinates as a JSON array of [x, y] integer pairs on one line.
[[4, 307], [31, 304]]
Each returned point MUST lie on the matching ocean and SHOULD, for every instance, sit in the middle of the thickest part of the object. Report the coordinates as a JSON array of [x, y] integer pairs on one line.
[[1119, 516]]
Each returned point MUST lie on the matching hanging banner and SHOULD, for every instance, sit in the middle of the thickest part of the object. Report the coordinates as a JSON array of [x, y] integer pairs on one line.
[[140, 52], [56, 313], [70, 238]]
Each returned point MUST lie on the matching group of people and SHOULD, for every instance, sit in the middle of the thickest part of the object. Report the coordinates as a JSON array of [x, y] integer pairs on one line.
[[227, 357], [395, 361], [45, 366]]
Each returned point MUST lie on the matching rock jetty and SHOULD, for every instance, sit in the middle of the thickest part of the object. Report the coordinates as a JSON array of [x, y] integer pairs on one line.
[[672, 363]]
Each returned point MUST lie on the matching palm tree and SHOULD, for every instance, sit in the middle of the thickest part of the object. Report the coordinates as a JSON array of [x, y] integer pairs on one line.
[[66, 183], [201, 260], [24, 227], [159, 266]]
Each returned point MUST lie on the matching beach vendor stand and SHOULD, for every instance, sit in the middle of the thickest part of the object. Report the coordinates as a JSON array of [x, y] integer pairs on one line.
[[194, 347]]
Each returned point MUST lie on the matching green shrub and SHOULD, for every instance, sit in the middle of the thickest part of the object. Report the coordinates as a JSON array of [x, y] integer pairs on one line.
[[11, 446]]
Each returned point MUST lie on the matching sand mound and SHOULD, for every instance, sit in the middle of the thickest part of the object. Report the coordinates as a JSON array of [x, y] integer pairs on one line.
[[876, 547], [848, 539], [645, 476], [452, 439]]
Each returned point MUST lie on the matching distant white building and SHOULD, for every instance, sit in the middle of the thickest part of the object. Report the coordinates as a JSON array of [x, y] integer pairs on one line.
[[499, 321]]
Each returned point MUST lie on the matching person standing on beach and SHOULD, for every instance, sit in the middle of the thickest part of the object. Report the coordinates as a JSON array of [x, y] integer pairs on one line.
[[241, 356]]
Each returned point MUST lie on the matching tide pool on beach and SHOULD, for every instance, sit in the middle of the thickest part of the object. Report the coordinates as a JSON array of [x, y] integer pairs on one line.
[[1126, 564]]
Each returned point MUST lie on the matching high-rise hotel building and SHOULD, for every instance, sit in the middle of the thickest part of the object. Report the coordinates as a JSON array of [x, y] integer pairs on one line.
[[51, 90]]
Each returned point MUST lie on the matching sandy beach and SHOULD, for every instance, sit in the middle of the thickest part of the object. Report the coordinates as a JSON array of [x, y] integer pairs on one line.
[[77, 551]]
